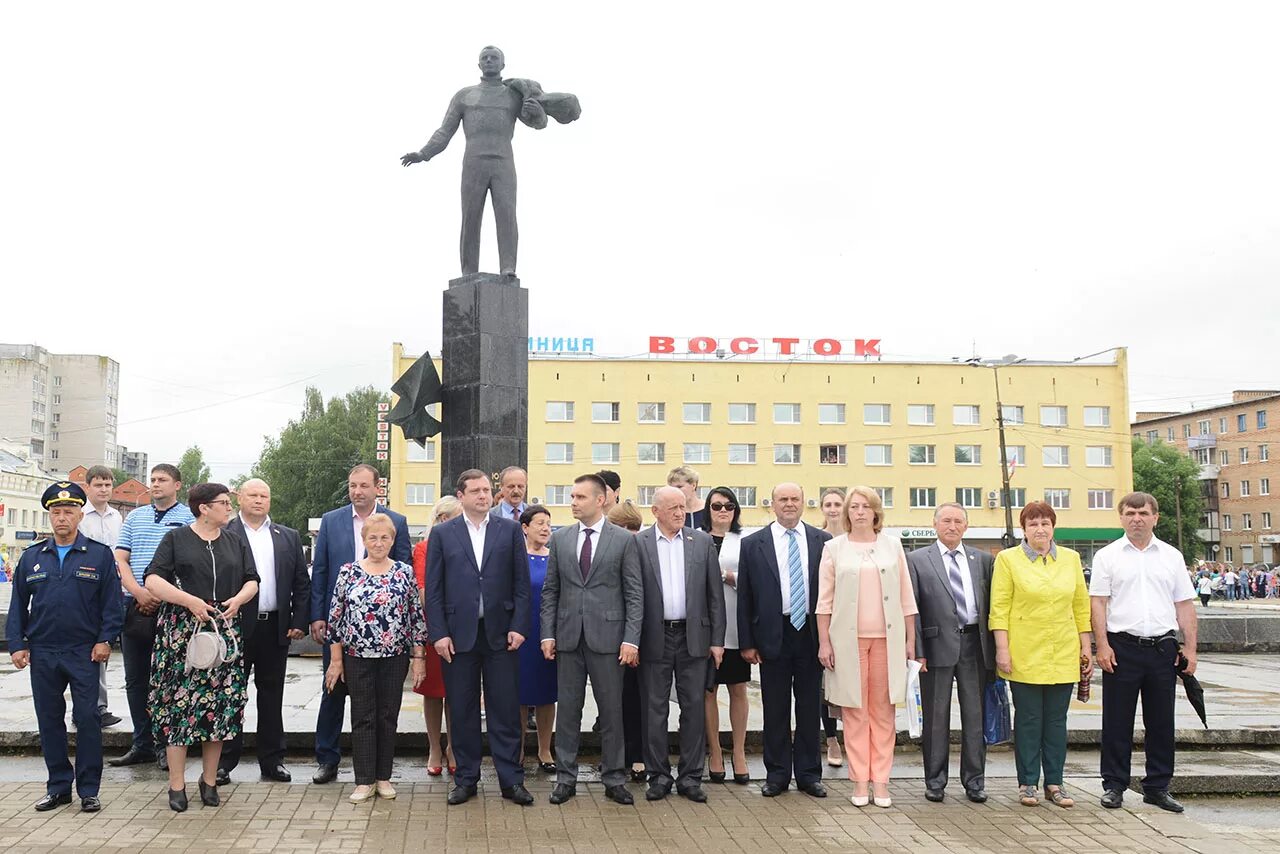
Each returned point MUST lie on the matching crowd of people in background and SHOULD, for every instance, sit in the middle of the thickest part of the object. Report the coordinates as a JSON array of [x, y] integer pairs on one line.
[[497, 615], [1224, 582]]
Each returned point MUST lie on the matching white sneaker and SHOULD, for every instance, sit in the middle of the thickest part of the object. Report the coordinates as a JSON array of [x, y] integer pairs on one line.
[[361, 794]]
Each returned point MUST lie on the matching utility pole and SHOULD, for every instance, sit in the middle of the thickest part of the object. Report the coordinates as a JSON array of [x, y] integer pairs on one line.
[[1007, 540]]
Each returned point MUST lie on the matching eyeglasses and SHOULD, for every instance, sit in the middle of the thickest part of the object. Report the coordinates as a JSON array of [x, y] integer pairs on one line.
[[720, 508], [225, 502]]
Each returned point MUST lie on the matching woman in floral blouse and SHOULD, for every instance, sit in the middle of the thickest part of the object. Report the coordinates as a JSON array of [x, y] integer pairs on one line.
[[377, 632]]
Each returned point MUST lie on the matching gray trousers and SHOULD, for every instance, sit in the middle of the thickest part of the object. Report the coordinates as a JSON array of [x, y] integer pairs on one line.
[[572, 670], [690, 676], [970, 677], [102, 687]]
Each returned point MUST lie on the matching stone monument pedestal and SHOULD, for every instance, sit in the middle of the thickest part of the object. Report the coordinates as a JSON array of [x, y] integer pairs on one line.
[[485, 355]]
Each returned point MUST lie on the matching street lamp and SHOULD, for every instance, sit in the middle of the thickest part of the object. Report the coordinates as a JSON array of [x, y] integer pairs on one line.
[[1007, 539]]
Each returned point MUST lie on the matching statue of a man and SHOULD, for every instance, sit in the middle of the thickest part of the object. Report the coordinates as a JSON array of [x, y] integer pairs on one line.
[[488, 113]]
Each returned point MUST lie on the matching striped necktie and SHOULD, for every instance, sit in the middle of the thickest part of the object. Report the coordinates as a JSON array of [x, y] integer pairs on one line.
[[957, 588], [799, 603]]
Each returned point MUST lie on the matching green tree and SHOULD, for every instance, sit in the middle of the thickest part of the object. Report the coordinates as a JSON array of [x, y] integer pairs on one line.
[[307, 464], [193, 470], [1174, 479], [119, 476]]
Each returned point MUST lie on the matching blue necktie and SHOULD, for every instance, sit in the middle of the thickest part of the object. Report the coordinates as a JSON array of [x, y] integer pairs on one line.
[[799, 604]]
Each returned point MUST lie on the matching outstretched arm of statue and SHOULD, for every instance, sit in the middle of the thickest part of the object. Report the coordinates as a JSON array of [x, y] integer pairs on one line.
[[440, 139]]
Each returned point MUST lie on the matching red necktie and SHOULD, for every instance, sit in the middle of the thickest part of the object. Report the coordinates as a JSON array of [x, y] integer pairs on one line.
[[584, 557]]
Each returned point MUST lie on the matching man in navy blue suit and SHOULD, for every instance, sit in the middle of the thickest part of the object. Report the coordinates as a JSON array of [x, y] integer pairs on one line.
[[478, 602], [777, 629], [339, 543]]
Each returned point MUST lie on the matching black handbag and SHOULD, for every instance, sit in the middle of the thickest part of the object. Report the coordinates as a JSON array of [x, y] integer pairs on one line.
[[137, 625]]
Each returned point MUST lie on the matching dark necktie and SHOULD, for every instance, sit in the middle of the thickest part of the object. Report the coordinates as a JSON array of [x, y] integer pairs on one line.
[[957, 588], [584, 557], [515, 513]]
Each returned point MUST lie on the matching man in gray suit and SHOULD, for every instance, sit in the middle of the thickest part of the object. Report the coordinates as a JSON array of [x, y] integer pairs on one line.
[[592, 604], [683, 635], [952, 583]]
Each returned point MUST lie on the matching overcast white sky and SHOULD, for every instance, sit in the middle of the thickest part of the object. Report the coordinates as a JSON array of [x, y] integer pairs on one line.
[[210, 193]]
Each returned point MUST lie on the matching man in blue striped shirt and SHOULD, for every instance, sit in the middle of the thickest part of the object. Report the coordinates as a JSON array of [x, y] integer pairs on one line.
[[141, 534]]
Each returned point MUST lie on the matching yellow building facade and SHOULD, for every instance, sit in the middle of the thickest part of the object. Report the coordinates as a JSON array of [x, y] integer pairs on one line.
[[921, 433]]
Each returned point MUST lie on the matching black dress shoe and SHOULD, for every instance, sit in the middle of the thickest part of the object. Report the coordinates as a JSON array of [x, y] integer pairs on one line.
[[547, 767], [716, 776], [107, 719], [461, 794], [814, 790], [978, 796], [655, 792], [563, 792], [619, 794], [1164, 800], [934, 795], [279, 773], [49, 802], [223, 777], [178, 800], [518, 794], [90, 804], [133, 756], [1113, 799], [695, 794], [772, 790], [325, 774], [209, 794]]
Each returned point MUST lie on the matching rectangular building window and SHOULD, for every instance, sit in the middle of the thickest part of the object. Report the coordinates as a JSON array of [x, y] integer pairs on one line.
[[1224, 457], [886, 495], [1100, 416], [787, 455], [1262, 419], [1153, 436], [923, 497], [1244, 454], [832, 455], [1053, 416], [1101, 499], [1016, 454], [1264, 486], [1246, 521], [425, 453], [419, 493], [969, 496], [1058, 499], [1222, 426], [1013, 414], [697, 452], [558, 452], [830, 413], [558, 495], [1244, 489], [920, 414], [651, 452], [606, 412], [1246, 554], [1186, 431], [1226, 489], [645, 495], [878, 455], [1057, 455], [742, 413], [1264, 453], [697, 413], [746, 495], [875, 413], [1266, 519], [606, 452], [559, 410], [1018, 497], [1169, 434], [1204, 427], [1226, 523], [1242, 423], [1097, 455], [1230, 555], [921, 455], [742, 454], [968, 455], [651, 413], [786, 413], [965, 414]]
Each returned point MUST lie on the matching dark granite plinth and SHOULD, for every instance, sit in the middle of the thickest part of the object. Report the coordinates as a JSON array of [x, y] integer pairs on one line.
[[486, 376]]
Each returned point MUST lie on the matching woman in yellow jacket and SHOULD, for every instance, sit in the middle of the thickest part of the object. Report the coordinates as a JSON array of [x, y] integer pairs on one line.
[[1040, 621]]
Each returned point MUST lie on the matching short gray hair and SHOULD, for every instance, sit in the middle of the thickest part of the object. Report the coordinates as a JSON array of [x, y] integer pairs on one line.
[[957, 505]]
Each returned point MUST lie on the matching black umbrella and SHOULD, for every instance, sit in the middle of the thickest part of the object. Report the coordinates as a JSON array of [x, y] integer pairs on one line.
[[1195, 691]]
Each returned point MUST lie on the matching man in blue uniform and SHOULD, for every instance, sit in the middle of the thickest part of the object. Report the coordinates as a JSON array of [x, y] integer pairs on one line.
[[66, 608]]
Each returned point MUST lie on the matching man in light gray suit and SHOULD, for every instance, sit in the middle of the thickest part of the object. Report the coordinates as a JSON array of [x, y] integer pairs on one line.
[[683, 635], [952, 584], [592, 603]]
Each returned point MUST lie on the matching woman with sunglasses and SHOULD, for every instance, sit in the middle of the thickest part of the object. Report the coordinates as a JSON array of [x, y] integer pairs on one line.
[[725, 529]]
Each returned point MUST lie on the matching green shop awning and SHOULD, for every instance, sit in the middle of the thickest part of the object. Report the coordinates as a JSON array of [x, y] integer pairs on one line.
[[1061, 534]]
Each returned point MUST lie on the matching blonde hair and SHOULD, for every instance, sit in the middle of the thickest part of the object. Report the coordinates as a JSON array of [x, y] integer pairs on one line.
[[873, 498], [446, 508], [682, 474], [375, 521], [626, 516]]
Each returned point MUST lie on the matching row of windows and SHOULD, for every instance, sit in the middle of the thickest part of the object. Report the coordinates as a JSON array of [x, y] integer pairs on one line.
[[1205, 426], [1244, 454], [1246, 521], [873, 414], [29, 519], [1264, 488]]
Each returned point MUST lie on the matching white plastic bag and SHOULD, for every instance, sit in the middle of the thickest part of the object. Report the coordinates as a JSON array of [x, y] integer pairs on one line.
[[915, 707]]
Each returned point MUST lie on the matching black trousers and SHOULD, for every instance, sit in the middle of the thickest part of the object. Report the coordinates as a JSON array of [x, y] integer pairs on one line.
[[266, 660], [1148, 671], [497, 672], [795, 671], [376, 686]]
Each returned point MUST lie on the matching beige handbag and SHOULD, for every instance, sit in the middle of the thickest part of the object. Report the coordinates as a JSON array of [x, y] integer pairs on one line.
[[207, 648]]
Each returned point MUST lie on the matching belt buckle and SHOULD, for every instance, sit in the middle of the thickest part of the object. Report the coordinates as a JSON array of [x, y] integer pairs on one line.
[[1148, 641], [263, 616]]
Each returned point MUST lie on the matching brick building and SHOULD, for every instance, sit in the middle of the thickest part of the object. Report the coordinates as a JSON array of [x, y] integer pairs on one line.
[[1238, 447]]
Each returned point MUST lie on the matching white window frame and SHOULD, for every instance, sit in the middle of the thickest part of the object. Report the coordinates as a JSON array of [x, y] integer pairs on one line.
[[841, 454], [562, 455], [1048, 409], [1102, 499], [749, 448], [961, 411], [558, 495], [1100, 416], [921, 415], [886, 496], [746, 495], [705, 412], [566, 411], [656, 409], [415, 453], [615, 411], [697, 458], [969, 496], [929, 492], [975, 455], [659, 451], [1050, 459], [1013, 414], [795, 413], [886, 457], [1058, 498], [1091, 452], [613, 458], [930, 453], [750, 412], [418, 494], [836, 417], [883, 410], [785, 449]]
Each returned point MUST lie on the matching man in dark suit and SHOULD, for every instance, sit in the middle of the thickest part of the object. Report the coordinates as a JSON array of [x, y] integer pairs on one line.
[[683, 636], [592, 605], [272, 619], [478, 602], [777, 629], [952, 584], [338, 543]]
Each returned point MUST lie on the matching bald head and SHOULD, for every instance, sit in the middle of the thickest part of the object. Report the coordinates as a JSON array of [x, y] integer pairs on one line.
[[254, 496], [668, 509], [788, 504]]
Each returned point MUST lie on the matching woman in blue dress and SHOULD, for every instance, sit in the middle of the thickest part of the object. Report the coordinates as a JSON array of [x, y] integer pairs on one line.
[[537, 675]]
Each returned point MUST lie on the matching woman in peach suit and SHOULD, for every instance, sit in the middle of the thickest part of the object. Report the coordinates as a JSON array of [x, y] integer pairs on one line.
[[866, 633]]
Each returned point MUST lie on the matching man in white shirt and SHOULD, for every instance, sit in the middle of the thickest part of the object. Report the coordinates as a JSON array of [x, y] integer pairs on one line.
[[1141, 594], [101, 522]]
